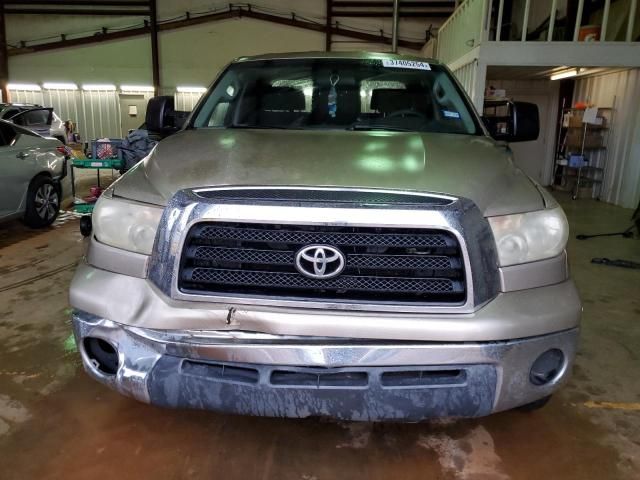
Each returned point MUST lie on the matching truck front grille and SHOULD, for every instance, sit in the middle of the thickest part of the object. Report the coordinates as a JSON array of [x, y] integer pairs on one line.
[[381, 264]]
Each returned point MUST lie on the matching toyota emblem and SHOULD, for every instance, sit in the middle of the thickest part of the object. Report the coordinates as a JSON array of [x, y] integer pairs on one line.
[[320, 261]]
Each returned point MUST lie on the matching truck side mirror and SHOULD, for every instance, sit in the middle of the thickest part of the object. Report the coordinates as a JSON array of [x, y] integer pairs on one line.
[[512, 121], [160, 115]]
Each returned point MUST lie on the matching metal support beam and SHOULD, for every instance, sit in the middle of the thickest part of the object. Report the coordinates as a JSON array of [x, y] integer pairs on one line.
[[389, 4], [525, 20], [76, 11], [387, 14], [605, 20], [499, 21], [576, 30], [552, 19], [77, 42], [632, 18], [80, 3], [155, 56], [327, 35], [394, 30], [208, 18], [4, 59]]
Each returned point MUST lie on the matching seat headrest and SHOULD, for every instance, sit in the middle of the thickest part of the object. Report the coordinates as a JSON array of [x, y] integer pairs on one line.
[[285, 99]]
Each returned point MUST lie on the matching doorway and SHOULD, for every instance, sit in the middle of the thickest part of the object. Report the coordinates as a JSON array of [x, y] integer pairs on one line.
[[533, 157], [133, 109]]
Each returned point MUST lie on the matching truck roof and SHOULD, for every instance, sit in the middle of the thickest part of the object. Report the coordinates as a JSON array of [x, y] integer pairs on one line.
[[348, 55]]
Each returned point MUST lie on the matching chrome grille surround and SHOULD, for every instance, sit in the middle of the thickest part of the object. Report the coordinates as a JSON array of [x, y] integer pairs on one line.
[[460, 217]]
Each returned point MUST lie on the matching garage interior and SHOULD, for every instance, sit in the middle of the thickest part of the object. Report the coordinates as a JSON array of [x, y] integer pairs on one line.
[[98, 63]]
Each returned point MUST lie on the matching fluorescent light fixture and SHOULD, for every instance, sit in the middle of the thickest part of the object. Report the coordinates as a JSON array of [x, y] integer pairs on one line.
[[191, 89], [136, 88], [24, 86], [98, 87], [59, 86], [566, 74]]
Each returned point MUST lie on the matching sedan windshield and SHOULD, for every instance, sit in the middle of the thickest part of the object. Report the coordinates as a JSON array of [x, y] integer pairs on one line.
[[345, 94]]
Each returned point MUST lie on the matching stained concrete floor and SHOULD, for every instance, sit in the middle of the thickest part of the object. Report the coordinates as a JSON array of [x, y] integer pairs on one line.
[[55, 422]]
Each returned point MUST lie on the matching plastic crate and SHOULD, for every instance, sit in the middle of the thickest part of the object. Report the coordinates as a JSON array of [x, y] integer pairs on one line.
[[577, 161], [106, 150]]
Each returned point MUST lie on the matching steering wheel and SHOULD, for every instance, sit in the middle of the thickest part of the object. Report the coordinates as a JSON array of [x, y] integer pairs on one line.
[[407, 112]]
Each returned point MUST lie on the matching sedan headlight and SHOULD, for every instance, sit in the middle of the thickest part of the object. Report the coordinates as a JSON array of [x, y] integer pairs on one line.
[[527, 237], [126, 224]]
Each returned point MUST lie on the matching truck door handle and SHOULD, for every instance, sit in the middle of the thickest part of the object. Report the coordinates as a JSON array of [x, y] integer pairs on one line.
[[22, 155]]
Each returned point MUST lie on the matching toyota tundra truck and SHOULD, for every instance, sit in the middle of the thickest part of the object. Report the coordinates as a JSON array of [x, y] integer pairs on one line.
[[330, 234]]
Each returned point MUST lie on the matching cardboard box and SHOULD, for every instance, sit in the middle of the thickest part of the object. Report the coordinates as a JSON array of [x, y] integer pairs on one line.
[[592, 139], [575, 119]]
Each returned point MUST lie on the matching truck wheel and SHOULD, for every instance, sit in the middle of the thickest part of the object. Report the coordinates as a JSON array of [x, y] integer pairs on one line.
[[43, 203], [537, 405]]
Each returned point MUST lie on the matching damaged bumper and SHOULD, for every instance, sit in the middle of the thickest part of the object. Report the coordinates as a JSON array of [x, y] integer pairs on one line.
[[300, 376]]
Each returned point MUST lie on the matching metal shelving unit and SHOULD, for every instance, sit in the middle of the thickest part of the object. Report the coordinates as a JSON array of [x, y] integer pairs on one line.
[[588, 140]]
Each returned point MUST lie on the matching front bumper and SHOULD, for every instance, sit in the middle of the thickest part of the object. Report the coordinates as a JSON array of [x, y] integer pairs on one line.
[[294, 376]]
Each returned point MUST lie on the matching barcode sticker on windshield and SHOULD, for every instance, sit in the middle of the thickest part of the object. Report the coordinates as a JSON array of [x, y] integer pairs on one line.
[[406, 64]]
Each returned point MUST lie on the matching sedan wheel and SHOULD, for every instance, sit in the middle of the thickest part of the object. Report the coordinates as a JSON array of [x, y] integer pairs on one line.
[[43, 202], [47, 202]]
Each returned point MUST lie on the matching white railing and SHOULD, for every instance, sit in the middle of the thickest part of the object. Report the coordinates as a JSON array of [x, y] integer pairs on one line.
[[463, 30], [478, 21]]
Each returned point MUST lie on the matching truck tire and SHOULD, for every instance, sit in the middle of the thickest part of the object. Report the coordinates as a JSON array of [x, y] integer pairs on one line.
[[43, 203]]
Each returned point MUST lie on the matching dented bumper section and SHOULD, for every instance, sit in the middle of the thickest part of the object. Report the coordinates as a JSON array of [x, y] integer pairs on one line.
[[295, 376]]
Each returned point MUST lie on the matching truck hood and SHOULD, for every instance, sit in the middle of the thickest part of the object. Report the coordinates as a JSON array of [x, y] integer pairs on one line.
[[474, 167]]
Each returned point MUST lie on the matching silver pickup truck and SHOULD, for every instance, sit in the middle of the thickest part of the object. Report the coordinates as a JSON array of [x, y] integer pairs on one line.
[[335, 235]]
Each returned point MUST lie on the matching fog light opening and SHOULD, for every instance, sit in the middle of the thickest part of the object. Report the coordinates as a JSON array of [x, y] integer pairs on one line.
[[547, 367], [102, 355]]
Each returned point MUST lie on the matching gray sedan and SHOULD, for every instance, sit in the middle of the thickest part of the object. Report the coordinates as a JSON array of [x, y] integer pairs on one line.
[[31, 170]]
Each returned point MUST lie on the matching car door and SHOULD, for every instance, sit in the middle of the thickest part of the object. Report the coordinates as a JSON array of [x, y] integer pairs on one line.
[[35, 119], [9, 112], [16, 170]]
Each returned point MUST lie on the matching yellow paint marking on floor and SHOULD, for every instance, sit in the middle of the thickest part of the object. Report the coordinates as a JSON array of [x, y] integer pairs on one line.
[[634, 406]]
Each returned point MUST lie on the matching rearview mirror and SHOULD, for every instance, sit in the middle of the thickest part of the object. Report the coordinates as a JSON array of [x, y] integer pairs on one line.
[[512, 121]]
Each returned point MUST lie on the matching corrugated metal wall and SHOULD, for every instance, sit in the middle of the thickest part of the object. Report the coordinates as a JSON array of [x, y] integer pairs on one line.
[[622, 171], [186, 101], [96, 113], [26, 96]]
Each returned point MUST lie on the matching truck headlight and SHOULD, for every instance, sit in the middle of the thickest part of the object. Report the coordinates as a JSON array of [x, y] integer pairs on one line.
[[126, 224], [527, 237]]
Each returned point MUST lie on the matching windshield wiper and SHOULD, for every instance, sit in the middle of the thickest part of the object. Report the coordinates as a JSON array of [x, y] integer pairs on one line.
[[390, 128]]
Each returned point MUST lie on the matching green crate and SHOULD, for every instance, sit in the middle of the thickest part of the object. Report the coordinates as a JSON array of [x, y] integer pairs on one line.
[[83, 207], [115, 163]]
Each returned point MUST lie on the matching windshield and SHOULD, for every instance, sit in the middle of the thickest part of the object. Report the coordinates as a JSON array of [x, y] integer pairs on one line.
[[395, 95]]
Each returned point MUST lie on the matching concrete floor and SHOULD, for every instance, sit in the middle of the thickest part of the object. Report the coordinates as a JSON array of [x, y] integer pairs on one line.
[[55, 422]]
